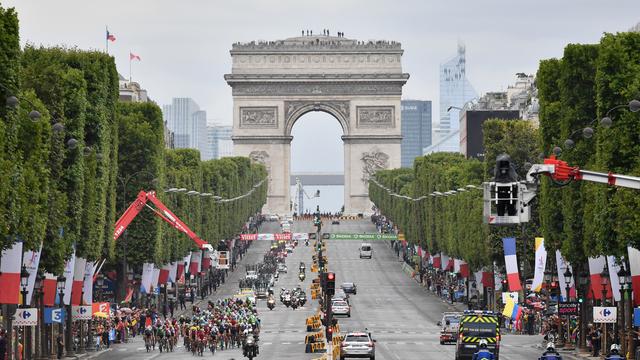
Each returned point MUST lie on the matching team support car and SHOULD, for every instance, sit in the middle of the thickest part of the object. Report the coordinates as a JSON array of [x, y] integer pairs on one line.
[[476, 325], [449, 326], [340, 307], [349, 288], [358, 344]]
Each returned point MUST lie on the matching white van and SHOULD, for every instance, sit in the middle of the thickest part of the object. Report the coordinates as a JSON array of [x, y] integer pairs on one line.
[[366, 251]]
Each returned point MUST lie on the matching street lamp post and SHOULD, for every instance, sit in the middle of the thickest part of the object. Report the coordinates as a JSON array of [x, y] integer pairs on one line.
[[26, 333], [604, 276], [60, 283], [620, 334], [548, 275], [583, 279], [567, 281]]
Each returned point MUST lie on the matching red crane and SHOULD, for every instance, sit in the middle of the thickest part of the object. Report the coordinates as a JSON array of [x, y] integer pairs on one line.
[[161, 211]]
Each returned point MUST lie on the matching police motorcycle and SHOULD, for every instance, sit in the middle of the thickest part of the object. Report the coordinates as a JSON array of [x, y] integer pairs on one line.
[[614, 353], [550, 353], [483, 353], [302, 267], [301, 276], [285, 298], [295, 301], [250, 347], [271, 302]]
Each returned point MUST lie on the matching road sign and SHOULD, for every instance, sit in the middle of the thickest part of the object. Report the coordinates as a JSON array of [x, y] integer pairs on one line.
[[54, 315], [605, 314], [81, 312], [570, 308], [26, 317]]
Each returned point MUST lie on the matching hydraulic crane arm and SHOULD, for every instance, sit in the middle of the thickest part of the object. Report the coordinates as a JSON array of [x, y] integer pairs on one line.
[[161, 211], [560, 171]]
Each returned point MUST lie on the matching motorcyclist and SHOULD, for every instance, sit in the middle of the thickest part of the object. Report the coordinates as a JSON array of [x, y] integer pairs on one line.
[[614, 353], [550, 353], [483, 353]]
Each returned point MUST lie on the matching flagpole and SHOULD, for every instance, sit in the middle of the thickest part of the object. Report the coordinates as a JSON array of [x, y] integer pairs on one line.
[[106, 38], [129, 65]]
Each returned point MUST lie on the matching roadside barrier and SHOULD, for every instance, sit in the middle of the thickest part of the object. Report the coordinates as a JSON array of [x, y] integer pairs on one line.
[[337, 339], [323, 357], [319, 347], [336, 351]]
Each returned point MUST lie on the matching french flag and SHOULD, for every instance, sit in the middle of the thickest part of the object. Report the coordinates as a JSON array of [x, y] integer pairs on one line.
[[634, 262], [78, 281], [461, 267], [511, 263], [10, 274]]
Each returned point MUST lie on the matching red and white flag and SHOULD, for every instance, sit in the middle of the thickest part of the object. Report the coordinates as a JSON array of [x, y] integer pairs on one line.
[[596, 266], [614, 267], [50, 289], [164, 274], [133, 56], [206, 260], [194, 266], [562, 266], [110, 36], [78, 281], [10, 274], [437, 261], [444, 261], [634, 264], [173, 272], [155, 278]]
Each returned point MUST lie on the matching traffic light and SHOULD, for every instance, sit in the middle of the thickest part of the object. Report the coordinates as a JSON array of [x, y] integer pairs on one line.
[[580, 300], [329, 333], [504, 285], [331, 284]]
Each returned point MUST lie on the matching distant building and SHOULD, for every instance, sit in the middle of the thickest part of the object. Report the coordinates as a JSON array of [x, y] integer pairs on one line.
[[219, 143], [416, 129], [455, 91], [188, 124], [131, 91]]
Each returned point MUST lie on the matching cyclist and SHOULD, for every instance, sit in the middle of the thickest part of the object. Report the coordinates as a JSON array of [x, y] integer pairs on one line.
[[148, 338]]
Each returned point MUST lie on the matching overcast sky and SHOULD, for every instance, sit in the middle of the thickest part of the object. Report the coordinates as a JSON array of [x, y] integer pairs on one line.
[[184, 44]]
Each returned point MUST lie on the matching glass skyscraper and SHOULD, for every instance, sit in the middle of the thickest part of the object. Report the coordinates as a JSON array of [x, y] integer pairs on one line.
[[188, 124], [416, 129], [455, 90]]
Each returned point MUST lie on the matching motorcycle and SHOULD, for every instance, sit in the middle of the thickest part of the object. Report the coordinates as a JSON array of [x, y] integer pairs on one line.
[[250, 348], [286, 300], [271, 303], [302, 298], [295, 302], [306, 243], [301, 276]]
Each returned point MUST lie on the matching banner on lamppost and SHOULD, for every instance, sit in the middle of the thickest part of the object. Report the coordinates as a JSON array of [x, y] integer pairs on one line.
[[223, 259], [605, 314], [54, 315], [26, 317], [81, 312]]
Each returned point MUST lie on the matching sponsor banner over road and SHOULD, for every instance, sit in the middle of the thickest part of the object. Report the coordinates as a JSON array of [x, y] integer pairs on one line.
[[375, 236], [271, 237]]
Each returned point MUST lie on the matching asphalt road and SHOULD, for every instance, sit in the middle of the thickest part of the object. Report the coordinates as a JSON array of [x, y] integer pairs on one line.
[[401, 315]]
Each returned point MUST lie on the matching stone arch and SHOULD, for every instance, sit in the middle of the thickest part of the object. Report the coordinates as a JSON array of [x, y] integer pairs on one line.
[[294, 110]]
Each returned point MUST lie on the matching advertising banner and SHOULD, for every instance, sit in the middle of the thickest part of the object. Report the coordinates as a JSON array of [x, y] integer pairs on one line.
[[26, 317], [605, 314], [83, 312], [147, 277], [540, 265], [375, 236], [54, 315], [509, 296], [571, 308], [101, 309]]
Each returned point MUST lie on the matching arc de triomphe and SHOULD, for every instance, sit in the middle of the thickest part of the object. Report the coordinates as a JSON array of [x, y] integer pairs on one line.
[[360, 83]]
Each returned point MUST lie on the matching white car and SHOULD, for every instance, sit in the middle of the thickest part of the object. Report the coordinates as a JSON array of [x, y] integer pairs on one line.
[[358, 344], [282, 268], [340, 307], [366, 251]]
